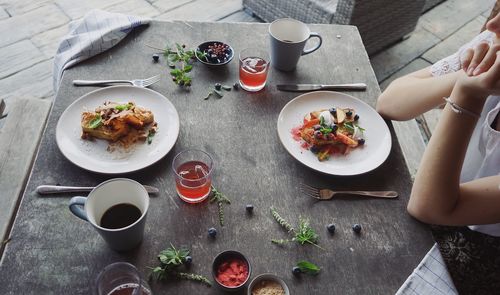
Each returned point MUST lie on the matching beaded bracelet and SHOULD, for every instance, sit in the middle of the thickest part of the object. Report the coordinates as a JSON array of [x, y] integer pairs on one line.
[[460, 110]]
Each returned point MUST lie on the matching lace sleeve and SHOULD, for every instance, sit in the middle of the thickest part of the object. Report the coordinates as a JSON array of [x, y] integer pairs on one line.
[[452, 63]]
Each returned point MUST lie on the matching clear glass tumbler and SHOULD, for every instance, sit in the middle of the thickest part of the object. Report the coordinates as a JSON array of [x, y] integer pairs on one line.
[[253, 67], [193, 175], [121, 278]]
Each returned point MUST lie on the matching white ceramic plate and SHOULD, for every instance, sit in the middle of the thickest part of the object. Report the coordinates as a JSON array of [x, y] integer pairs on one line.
[[359, 160], [93, 156]]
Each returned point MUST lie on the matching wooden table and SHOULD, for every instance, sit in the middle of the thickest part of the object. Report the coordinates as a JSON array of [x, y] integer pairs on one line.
[[51, 251]]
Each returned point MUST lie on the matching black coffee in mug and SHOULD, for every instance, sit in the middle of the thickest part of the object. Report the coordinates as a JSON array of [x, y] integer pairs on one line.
[[120, 216]]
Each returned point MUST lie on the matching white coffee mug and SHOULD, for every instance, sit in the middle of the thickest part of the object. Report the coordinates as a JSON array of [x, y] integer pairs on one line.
[[106, 195], [288, 39]]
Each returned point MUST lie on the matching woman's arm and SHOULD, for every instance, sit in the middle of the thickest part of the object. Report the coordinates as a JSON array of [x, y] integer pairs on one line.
[[437, 196], [414, 94]]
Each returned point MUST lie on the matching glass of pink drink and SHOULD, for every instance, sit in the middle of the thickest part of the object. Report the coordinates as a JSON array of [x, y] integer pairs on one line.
[[253, 67], [193, 175]]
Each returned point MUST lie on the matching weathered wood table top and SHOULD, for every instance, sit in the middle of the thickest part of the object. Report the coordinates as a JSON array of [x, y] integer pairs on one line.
[[53, 252]]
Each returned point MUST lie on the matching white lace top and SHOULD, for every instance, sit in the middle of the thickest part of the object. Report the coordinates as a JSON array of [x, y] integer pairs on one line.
[[483, 153]]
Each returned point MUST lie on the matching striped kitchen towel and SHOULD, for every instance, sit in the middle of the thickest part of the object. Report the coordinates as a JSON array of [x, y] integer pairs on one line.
[[97, 32], [430, 277]]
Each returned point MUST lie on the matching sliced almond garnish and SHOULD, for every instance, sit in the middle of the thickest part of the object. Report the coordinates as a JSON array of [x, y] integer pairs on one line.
[[340, 116]]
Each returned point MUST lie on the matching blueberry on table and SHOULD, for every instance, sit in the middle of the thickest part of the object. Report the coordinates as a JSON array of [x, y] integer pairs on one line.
[[356, 117], [249, 208], [349, 113], [296, 270], [356, 228], [314, 149], [189, 259], [212, 232], [331, 228], [156, 57], [236, 86], [361, 141], [218, 86]]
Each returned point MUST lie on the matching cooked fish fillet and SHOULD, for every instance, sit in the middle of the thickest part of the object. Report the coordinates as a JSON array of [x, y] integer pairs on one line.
[[115, 129]]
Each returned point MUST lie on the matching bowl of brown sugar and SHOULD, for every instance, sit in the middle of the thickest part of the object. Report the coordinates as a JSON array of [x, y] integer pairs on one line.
[[268, 284]]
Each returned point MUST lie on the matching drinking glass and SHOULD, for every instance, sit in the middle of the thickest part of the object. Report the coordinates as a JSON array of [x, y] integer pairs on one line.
[[253, 67], [193, 175], [121, 278]]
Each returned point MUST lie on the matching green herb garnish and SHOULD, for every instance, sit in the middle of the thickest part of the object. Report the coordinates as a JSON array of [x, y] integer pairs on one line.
[[351, 127], [171, 259], [304, 234], [220, 199], [122, 107], [151, 134], [308, 267], [96, 122], [180, 60]]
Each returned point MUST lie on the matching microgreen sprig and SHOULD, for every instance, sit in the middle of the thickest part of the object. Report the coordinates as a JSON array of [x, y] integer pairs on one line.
[[180, 61], [304, 234], [171, 259]]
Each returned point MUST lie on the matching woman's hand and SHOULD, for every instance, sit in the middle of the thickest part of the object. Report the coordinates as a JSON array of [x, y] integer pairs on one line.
[[479, 59], [487, 82]]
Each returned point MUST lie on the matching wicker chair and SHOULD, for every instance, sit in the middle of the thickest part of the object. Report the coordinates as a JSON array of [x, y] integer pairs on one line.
[[380, 22]]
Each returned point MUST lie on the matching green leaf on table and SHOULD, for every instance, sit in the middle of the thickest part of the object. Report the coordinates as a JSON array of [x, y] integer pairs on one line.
[[96, 122], [188, 68], [308, 267], [176, 72]]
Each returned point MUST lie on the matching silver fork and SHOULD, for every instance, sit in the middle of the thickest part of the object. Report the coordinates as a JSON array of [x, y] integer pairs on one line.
[[138, 82], [327, 194]]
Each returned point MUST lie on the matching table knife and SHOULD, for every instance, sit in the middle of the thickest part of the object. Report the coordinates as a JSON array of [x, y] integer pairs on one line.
[[57, 189], [312, 87]]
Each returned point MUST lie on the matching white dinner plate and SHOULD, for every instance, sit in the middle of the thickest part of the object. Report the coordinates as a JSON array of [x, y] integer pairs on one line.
[[93, 155], [359, 160]]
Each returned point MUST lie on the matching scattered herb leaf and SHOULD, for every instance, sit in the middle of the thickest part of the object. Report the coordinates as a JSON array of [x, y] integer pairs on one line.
[[184, 58], [171, 259], [304, 234], [225, 87], [281, 220], [308, 267], [220, 199], [218, 92]]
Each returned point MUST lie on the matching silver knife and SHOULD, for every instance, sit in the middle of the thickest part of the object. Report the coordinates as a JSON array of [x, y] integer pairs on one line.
[[57, 189], [311, 87]]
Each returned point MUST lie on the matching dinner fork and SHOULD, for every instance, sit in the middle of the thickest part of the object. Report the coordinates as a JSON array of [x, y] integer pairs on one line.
[[327, 194], [138, 82]]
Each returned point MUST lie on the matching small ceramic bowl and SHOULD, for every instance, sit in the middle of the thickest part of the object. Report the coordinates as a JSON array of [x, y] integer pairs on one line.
[[218, 60], [267, 277], [225, 257]]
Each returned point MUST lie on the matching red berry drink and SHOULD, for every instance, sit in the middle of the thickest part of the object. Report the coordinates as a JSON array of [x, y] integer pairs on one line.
[[253, 69], [193, 186], [193, 175]]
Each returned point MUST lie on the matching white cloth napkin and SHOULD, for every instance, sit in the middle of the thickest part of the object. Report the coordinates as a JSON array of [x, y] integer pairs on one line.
[[97, 32], [430, 277]]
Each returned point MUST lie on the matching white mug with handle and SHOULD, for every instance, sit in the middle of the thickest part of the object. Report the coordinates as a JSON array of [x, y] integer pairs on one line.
[[124, 229]]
